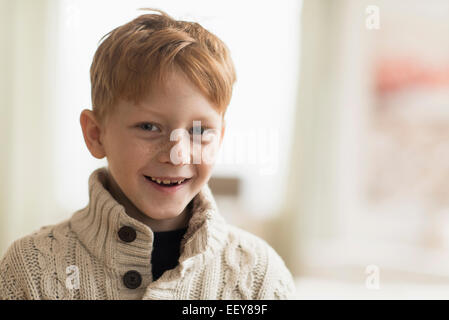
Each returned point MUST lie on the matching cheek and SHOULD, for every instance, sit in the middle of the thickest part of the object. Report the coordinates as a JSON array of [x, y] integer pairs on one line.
[[204, 172], [129, 151], [210, 153]]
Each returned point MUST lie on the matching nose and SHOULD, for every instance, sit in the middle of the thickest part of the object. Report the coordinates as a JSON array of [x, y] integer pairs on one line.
[[177, 153]]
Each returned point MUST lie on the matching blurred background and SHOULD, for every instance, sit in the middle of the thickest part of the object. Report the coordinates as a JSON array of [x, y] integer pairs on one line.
[[337, 145]]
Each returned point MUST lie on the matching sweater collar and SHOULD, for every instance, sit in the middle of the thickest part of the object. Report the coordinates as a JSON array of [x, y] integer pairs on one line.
[[97, 226]]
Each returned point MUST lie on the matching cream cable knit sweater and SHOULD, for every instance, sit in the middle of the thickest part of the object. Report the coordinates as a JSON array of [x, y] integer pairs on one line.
[[84, 258]]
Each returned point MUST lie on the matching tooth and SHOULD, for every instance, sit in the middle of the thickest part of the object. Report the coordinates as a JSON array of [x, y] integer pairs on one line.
[[166, 181]]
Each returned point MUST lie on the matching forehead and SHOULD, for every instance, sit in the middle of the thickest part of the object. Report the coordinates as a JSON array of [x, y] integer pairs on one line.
[[175, 90], [176, 97]]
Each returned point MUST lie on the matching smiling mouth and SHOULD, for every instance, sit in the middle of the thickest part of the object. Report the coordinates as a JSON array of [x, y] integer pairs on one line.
[[167, 185]]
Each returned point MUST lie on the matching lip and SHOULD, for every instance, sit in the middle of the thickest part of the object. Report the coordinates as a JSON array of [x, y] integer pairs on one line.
[[167, 190]]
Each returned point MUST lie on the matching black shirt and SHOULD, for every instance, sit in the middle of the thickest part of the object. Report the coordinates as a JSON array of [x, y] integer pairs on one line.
[[166, 251]]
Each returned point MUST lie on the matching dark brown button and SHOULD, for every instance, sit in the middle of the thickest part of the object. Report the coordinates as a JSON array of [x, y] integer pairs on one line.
[[127, 234], [132, 279]]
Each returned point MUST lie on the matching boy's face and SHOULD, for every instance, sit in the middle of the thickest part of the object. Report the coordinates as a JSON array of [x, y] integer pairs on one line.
[[136, 141]]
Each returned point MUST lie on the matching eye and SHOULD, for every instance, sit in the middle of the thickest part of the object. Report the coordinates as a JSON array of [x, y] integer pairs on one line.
[[146, 126], [202, 130]]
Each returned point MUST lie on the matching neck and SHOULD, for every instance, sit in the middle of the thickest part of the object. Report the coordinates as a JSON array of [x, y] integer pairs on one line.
[[178, 222]]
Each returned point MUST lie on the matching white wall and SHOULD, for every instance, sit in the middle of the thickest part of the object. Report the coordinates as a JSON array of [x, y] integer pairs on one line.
[[27, 167]]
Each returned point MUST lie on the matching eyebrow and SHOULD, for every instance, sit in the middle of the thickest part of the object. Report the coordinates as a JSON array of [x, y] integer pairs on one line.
[[161, 115], [144, 110]]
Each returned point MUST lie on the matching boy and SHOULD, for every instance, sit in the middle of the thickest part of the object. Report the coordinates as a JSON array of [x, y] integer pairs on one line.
[[151, 229]]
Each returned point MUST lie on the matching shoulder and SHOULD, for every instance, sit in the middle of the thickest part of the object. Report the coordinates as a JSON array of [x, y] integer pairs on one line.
[[46, 239], [273, 279], [25, 260], [249, 243]]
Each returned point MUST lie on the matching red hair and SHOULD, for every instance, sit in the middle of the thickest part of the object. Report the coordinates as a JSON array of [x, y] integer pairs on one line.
[[139, 55]]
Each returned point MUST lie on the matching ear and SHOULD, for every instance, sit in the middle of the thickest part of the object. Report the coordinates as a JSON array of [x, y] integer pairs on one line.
[[223, 129], [92, 134]]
